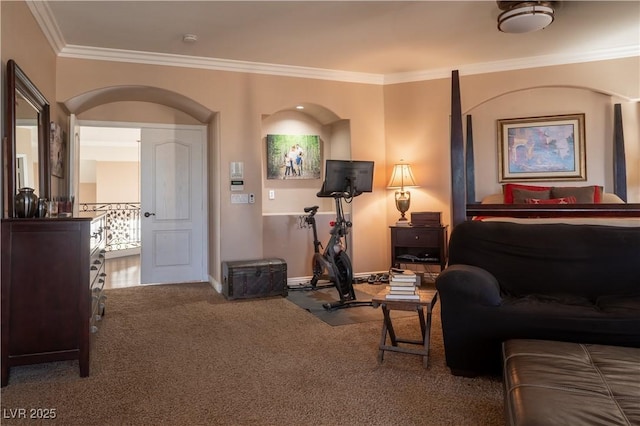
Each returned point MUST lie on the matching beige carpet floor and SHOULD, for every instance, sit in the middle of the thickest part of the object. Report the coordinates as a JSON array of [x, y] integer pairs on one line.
[[183, 355]]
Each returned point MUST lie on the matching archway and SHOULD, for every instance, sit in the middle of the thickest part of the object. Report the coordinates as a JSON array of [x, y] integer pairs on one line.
[[96, 102], [85, 101], [283, 200]]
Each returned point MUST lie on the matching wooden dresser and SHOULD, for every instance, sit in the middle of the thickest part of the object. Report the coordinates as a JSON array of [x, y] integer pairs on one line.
[[52, 279]]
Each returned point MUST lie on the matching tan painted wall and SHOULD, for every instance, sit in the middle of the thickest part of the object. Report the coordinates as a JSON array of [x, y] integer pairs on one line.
[[23, 42], [385, 124], [87, 192], [117, 181], [241, 101], [594, 88], [417, 123]]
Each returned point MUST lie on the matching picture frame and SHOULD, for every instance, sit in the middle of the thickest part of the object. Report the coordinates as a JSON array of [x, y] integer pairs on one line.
[[57, 150], [542, 148], [293, 157]]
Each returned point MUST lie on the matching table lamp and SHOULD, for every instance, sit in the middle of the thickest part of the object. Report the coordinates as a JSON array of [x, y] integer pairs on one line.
[[402, 178]]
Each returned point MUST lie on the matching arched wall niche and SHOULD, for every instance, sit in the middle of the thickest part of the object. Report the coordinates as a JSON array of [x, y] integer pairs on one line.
[[335, 143], [283, 236], [539, 101], [591, 89]]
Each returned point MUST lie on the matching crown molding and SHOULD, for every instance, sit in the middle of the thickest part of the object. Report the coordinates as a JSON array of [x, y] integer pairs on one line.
[[152, 58], [516, 64], [44, 17]]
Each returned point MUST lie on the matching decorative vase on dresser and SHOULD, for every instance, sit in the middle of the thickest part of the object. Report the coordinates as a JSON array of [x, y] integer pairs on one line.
[[51, 268], [26, 202]]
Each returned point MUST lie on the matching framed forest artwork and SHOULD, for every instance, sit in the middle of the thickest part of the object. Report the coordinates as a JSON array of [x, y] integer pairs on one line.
[[293, 157]]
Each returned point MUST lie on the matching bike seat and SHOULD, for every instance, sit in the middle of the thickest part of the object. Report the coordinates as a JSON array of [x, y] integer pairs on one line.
[[311, 209]]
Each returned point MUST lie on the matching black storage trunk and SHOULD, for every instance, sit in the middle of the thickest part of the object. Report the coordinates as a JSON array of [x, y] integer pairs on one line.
[[244, 279]]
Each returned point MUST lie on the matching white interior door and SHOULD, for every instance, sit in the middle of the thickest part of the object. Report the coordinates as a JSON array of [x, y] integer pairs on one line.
[[173, 204]]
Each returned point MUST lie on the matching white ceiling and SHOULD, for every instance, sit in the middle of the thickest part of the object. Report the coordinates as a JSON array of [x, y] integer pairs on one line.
[[368, 41], [365, 41]]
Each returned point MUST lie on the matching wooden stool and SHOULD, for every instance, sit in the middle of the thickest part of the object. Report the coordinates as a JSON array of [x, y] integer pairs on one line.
[[428, 299]]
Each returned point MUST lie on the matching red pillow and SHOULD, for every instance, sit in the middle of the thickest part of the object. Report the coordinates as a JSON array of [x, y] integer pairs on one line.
[[507, 190], [564, 200]]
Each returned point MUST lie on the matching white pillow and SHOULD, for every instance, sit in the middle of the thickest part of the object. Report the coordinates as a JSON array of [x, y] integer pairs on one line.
[[493, 199], [609, 198]]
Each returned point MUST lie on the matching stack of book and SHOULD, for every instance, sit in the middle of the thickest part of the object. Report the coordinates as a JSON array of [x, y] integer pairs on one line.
[[402, 285]]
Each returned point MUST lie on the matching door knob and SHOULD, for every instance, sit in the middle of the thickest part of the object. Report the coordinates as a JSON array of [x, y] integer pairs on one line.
[[147, 214]]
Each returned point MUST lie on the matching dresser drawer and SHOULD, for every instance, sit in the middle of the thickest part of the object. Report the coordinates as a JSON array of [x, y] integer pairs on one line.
[[97, 297], [98, 227], [413, 237], [97, 266], [97, 273]]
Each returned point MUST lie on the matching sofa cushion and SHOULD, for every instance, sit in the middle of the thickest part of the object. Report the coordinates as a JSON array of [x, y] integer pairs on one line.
[[560, 383], [620, 305], [552, 259], [551, 301]]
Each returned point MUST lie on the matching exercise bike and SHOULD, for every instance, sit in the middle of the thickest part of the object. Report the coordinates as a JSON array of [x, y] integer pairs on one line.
[[333, 259]]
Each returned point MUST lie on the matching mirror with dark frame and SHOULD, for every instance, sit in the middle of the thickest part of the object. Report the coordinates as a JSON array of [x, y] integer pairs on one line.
[[26, 151]]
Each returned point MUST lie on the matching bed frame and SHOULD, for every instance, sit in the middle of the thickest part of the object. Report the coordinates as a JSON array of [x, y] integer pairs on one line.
[[463, 198]]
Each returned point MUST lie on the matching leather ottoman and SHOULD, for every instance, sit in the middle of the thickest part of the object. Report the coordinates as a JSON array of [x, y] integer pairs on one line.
[[560, 383]]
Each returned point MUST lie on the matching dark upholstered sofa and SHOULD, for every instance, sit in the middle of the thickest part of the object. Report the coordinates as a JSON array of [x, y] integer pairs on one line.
[[560, 282], [560, 383]]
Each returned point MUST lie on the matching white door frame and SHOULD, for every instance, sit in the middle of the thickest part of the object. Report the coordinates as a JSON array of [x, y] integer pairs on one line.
[[120, 124]]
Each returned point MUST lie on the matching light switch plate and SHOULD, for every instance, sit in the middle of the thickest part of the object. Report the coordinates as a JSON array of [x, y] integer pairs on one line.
[[239, 198]]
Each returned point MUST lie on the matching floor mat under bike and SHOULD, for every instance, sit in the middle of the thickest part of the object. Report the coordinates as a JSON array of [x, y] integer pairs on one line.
[[313, 300]]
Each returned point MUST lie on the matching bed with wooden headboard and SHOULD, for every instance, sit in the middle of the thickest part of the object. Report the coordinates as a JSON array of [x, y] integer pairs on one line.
[[610, 209]]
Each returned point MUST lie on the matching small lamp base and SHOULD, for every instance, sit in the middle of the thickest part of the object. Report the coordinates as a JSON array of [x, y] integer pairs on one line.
[[404, 222]]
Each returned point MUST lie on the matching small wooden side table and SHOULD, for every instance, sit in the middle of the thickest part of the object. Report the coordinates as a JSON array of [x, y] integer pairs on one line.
[[424, 308]]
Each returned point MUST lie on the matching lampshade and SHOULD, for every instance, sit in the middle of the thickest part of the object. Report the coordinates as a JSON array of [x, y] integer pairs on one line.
[[524, 16], [402, 177]]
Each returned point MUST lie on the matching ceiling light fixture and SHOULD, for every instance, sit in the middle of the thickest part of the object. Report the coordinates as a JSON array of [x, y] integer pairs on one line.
[[525, 16], [190, 38]]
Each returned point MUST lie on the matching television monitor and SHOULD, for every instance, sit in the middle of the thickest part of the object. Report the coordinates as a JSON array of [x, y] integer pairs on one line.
[[348, 177]]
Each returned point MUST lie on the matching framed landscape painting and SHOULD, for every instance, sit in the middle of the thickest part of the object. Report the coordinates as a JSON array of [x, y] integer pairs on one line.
[[293, 157], [542, 148]]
